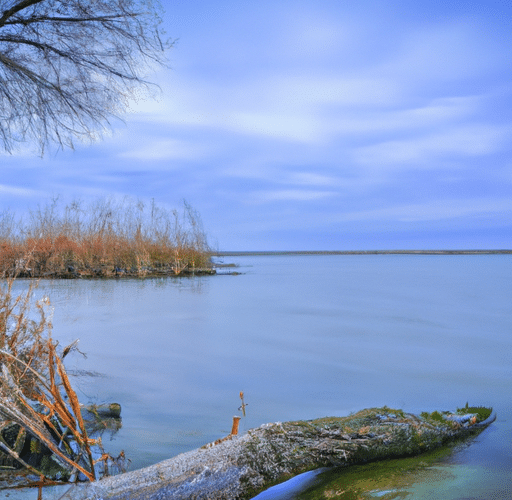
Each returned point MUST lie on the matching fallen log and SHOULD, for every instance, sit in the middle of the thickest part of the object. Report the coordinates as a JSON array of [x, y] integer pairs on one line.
[[239, 467]]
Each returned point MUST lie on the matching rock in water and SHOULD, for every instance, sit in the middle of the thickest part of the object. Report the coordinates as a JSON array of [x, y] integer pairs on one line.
[[239, 467]]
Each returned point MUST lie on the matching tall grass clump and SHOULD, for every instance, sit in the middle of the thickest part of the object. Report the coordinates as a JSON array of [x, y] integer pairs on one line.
[[106, 238]]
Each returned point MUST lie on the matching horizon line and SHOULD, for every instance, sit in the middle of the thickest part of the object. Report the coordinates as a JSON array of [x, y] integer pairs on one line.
[[232, 253]]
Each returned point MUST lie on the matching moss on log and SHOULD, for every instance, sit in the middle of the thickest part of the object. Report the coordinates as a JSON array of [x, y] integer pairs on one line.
[[239, 467]]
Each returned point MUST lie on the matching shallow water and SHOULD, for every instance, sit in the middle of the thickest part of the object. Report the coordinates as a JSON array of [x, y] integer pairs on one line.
[[303, 337]]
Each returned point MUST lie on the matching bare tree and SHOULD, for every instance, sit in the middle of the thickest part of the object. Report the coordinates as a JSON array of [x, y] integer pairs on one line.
[[67, 67]]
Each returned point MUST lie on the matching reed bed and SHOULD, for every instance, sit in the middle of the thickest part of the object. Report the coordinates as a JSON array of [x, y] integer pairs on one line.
[[107, 238]]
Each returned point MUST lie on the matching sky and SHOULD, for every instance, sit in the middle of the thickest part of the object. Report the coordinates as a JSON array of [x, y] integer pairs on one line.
[[301, 125]]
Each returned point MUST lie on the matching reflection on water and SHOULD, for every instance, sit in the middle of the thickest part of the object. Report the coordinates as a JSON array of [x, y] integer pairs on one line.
[[433, 475], [303, 337], [403, 478]]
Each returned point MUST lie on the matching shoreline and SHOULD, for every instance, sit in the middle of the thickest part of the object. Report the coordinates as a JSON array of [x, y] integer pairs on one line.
[[358, 252], [107, 272], [240, 467], [103, 271]]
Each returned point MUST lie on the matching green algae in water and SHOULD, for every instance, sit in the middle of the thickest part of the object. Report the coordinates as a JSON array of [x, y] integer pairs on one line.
[[386, 479]]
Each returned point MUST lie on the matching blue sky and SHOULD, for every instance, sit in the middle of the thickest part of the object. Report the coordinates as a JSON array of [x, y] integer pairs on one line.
[[321, 125]]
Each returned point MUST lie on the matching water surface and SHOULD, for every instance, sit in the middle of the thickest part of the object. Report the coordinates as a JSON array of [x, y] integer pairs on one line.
[[304, 337]]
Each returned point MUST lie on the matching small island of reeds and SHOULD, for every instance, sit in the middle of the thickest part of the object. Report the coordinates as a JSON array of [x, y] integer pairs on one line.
[[105, 239]]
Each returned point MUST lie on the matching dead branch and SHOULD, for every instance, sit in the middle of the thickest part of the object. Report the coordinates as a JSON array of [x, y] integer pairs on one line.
[[36, 394]]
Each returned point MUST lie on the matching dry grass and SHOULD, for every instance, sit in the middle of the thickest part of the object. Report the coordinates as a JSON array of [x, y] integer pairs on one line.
[[106, 238], [36, 397]]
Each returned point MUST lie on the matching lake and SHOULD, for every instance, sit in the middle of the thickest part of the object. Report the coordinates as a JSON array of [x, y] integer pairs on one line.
[[304, 336]]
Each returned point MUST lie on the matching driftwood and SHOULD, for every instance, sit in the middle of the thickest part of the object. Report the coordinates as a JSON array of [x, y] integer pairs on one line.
[[23, 453], [239, 467]]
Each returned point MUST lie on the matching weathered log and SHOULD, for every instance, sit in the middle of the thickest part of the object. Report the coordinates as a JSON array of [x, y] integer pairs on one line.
[[239, 467]]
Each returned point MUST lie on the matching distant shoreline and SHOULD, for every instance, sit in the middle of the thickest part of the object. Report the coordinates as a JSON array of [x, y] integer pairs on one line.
[[360, 252]]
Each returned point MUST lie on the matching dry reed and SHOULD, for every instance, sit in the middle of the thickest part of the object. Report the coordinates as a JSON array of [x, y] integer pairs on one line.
[[106, 238]]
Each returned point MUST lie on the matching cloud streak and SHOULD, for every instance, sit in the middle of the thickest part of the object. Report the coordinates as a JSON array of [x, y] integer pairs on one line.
[[458, 142], [442, 209]]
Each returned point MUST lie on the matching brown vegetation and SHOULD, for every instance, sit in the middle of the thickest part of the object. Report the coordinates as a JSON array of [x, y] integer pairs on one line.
[[42, 431], [106, 239]]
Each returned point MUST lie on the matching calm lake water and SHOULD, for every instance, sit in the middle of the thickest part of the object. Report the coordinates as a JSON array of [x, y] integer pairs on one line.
[[303, 337]]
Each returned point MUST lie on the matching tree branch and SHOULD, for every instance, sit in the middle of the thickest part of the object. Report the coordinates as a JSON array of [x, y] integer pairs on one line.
[[66, 67], [33, 20], [26, 72], [81, 61], [17, 8]]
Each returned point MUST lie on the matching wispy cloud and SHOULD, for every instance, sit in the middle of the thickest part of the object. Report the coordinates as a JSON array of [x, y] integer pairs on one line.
[[454, 50], [16, 191], [298, 195], [162, 149], [312, 179], [434, 210], [436, 112], [460, 142]]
